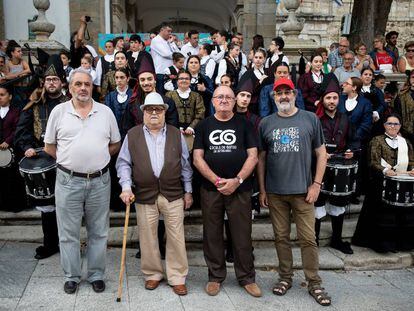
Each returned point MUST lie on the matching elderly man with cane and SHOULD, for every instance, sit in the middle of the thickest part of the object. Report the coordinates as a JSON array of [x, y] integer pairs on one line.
[[155, 157]]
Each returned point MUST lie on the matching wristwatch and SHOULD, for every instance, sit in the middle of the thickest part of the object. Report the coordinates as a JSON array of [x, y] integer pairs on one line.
[[239, 179]]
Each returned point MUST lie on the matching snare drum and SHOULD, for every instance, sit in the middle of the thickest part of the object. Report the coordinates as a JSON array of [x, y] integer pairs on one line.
[[6, 157], [398, 190], [340, 177], [39, 173]]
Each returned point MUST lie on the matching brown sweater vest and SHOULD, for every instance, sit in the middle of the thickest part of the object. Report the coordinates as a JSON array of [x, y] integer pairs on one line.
[[147, 186]]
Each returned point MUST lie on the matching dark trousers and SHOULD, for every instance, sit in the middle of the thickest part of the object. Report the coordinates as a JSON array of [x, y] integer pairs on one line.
[[239, 213]]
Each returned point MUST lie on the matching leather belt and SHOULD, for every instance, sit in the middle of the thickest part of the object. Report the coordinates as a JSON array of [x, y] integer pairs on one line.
[[84, 175]]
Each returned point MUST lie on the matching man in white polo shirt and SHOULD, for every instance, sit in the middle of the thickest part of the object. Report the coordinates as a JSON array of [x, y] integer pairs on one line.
[[162, 48], [82, 135]]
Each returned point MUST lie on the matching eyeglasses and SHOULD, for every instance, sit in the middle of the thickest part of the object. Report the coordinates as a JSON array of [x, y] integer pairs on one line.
[[151, 110], [50, 80], [224, 97], [183, 79], [392, 124], [285, 93]]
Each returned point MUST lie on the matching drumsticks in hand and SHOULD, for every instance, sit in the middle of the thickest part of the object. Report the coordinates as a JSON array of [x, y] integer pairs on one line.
[[121, 272]]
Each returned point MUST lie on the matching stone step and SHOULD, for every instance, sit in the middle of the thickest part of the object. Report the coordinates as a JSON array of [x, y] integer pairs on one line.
[[30, 217], [193, 233]]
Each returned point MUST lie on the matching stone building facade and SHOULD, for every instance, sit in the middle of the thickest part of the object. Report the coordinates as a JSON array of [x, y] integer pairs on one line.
[[322, 17]]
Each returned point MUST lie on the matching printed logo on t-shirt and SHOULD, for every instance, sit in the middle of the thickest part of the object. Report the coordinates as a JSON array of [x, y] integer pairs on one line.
[[286, 140], [222, 141]]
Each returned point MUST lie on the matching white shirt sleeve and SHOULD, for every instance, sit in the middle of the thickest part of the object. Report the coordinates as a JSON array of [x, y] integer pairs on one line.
[[221, 70], [210, 67], [98, 70]]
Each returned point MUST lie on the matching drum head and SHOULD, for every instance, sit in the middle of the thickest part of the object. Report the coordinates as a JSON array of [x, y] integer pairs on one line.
[[401, 177], [41, 162], [342, 164], [6, 157]]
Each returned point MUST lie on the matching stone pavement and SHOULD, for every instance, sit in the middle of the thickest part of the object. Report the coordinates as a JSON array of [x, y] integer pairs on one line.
[[28, 284]]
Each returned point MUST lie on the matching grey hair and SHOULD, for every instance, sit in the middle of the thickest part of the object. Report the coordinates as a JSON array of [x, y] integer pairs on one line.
[[79, 70]]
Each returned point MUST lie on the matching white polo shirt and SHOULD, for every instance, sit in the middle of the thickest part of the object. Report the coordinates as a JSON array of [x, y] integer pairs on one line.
[[82, 144]]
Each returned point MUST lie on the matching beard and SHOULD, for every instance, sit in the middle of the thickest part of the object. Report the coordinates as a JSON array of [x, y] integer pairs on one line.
[[285, 106]]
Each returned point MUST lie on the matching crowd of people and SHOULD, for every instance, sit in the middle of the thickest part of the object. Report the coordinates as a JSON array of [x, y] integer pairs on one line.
[[217, 127]]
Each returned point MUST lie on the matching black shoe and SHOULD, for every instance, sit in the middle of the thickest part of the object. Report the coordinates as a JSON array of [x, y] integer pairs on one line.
[[138, 254], [43, 252], [344, 247], [70, 287], [98, 286]]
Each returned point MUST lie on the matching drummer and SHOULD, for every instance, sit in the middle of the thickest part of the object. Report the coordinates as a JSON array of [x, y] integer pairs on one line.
[[12, 195], [382, 227], [340, 141], [29, 136]]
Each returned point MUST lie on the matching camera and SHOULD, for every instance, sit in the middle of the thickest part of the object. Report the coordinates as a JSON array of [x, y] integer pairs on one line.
[[88, 19]]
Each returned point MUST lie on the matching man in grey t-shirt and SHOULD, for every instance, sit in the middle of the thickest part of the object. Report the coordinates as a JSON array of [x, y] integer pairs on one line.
[[288, 139]]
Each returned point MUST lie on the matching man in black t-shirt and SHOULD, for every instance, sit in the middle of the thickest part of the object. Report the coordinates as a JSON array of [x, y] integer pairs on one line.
[[225, 153]]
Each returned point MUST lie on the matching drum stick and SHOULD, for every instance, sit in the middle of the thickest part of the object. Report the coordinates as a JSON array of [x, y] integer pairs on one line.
[[121, 272]]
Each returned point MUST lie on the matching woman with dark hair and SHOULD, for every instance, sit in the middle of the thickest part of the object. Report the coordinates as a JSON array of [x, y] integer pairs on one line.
[[200, 83], [118, 99], [404, 106], [384, 224], [376, 97], [406, 62], [257, 43], [258, 77], [12, 194], [108, 82], [359, 112], [310, 83], [357, 107], [230, 64]]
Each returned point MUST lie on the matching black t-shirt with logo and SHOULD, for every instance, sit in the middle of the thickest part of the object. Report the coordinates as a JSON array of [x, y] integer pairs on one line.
[[225, 145]]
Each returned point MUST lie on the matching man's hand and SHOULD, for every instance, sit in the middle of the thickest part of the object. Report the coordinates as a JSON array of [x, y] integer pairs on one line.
[[4, 146], [263, 199], [188, 200], [349, 154], [228, 186], [188, 131], [411, 173], [127, 196], [201, 87], [30, 153], [313, 193]]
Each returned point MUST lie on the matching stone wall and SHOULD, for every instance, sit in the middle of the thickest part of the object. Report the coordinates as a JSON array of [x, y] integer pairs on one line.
[[94, 9], [2, 34]]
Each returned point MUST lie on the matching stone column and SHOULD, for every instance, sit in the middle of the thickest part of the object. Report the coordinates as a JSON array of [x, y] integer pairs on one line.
[[41, 27]]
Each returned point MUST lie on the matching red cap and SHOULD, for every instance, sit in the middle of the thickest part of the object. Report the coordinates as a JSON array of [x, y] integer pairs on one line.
[[283, 81]]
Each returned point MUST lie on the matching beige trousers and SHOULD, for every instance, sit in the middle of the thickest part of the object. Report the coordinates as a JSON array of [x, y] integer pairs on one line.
[[176, 255]]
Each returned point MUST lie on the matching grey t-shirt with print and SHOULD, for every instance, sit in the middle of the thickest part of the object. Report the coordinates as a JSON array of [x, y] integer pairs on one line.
[[289, 143]]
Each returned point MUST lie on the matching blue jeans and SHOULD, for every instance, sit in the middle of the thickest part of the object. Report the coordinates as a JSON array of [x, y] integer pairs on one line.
[[75, 197]]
